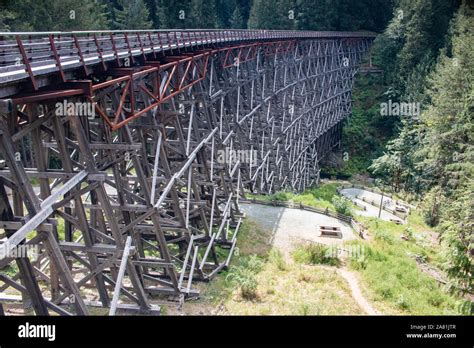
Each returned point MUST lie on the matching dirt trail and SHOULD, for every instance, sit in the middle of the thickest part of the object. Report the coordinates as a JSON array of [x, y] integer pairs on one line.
[[290, 225], [356, 292]]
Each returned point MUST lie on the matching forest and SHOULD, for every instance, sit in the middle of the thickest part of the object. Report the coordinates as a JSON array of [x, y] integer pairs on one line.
[[42, 15], [425, 48]]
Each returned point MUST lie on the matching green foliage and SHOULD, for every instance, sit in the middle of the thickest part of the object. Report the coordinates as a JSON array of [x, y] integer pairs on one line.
[[272, 14], [434, 154], [343, 14], [53, 15], [317, 197], [324, 192], [366, 131], [246, 281], [132, 15], [276, 257], [320, 14], [10, 270], [282, 196], [388, 270], [385, 236], [414, 36], [252, 263], [173, 14], [315, 254], [431, 206], [457, 229], [358, 263], [29, 15], [244, 275], [6, 18], [237, 20], [342, 205], [203, 14]]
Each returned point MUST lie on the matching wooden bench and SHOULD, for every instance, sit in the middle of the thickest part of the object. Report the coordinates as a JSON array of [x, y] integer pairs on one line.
[[330, 231], [400, 209]]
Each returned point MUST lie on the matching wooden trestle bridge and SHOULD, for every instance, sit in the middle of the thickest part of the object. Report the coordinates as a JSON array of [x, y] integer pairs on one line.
[[111, 188]]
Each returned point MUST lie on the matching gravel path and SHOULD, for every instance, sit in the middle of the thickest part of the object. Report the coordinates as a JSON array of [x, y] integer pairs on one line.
[[290, 226], [368, 195], [371, 210]]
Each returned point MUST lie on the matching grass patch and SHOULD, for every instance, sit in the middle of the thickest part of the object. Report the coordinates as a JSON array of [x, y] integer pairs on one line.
[[391, 277], [315, 254], [244, 275], [318, 197], [260, 281], [253, 240], [395, 283], [298, 290], [276, 257]]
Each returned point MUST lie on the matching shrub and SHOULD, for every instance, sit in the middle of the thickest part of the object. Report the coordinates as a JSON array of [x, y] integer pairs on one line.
[[466, 307], [384, 236], [276, 257], [304, 277], [304, 309], [385, 291], [403, 302], [252, 263], [359, 262], [342, 205], [282, 196], [431, 206], [315, 254], [246, 280], [244, 276]]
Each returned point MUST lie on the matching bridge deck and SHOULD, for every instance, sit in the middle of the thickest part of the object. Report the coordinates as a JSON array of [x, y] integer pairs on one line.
[[28, 55]]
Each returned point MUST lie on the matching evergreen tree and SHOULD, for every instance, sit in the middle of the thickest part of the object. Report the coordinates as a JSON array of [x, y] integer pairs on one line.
[[203, 14], [237, 20], [411, 37], [408, 48], [435, 153], [313, 15], [54, 15], [273, 15], [132, 15], [343, 14], [5, 18], [224, 12], [152, 7], [175, 15], [245, 7]]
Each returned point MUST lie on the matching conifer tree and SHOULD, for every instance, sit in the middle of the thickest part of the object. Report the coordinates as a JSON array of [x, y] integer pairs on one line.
[[54, 15], [237, 19], [203, 14], [133, 15]]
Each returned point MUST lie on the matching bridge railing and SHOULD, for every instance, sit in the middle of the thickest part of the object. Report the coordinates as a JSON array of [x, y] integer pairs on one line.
[[26, 55]]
